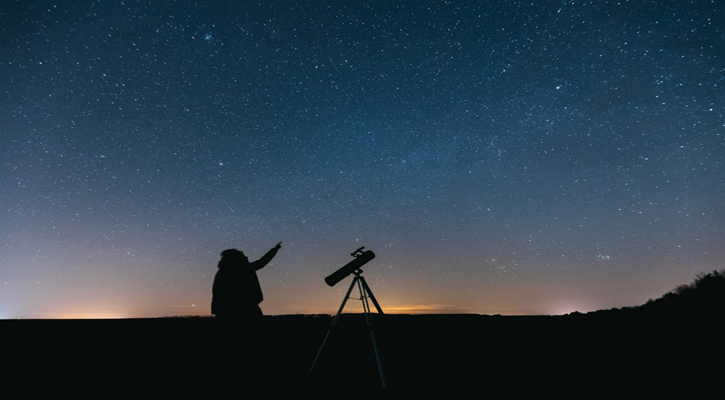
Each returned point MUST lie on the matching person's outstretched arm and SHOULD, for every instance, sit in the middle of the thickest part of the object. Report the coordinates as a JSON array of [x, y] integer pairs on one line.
[[259, 264]]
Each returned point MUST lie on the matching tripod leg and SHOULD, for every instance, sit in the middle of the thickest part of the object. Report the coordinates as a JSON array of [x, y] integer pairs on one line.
[[370, 293], [334, 322], [347, 296], [369, 320]]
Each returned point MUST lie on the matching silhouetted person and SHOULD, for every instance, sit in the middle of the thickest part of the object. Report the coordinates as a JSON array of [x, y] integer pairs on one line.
[[236, 293]]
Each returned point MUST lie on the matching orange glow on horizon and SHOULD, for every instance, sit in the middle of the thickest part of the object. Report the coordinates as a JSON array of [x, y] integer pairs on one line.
[[84, 315], [422, 309]]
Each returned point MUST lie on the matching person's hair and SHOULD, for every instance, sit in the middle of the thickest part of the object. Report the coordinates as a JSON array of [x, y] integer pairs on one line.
[[229, 257], [229, 252]]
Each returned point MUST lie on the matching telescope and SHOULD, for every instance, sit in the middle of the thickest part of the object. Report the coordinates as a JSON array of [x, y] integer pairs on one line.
[[353, 267], [361, 258]]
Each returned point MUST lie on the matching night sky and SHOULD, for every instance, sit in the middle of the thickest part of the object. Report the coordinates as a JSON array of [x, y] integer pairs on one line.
[[512, 157]]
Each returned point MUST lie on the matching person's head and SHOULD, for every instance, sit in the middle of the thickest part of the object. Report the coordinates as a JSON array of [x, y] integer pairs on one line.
[[232, 257]]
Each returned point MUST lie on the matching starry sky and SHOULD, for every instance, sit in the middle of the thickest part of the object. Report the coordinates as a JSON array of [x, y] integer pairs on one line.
[[499, 157]]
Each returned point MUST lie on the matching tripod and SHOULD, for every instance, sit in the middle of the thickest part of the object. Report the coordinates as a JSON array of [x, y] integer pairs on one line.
[[365, 293]]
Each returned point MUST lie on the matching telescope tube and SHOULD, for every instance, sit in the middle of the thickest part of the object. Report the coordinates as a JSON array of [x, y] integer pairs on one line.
[[349, 268]]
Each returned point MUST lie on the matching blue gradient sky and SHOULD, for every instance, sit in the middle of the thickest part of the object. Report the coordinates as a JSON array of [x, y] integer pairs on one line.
[[498, 157]]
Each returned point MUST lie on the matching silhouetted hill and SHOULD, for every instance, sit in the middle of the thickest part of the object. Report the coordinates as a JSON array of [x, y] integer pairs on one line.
[[705, 296], [702, 299]]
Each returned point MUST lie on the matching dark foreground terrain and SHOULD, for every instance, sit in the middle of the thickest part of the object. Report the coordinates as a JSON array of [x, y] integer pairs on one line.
[[575, 356]]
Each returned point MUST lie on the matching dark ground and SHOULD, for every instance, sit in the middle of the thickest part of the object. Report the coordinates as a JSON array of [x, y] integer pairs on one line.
[[576, 356]]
